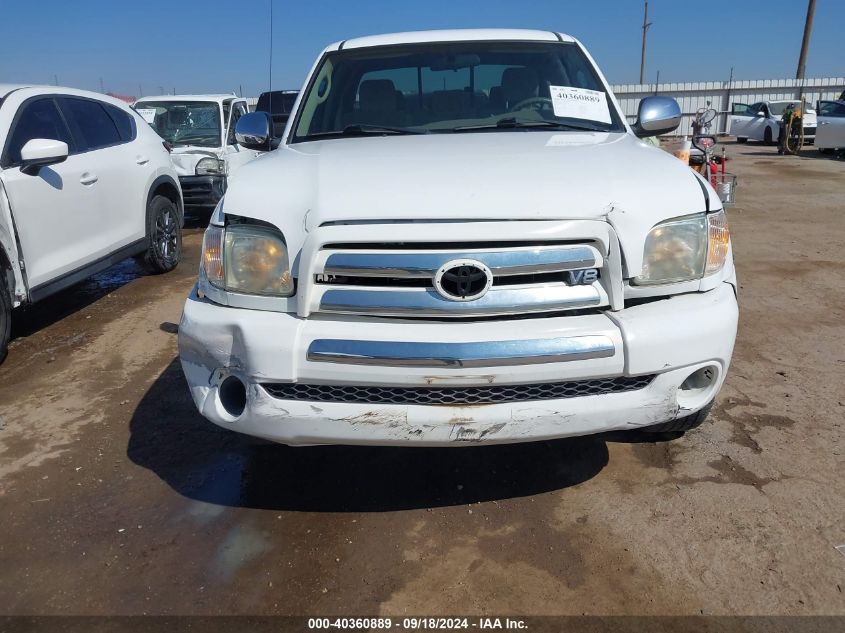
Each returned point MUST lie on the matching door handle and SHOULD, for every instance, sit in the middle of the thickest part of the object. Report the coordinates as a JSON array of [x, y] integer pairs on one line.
[[88, 178], [142, 160]]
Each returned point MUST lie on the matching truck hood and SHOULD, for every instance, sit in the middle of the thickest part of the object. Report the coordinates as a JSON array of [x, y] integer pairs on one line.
[[185, 158], [514, 175]]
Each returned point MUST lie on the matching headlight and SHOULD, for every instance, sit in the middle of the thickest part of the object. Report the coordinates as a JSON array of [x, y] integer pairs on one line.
[[685, 248], [210, 167], [248, 259]]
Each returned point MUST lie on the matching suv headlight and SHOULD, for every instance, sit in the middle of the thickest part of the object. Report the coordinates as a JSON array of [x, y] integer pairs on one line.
[[210, 167], [248, 259], [685, 248]]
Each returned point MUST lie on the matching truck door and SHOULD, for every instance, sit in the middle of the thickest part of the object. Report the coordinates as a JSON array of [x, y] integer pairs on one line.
[[235, 155]]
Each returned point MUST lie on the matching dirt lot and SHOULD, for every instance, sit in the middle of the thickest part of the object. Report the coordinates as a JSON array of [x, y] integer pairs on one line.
[[117, 497]]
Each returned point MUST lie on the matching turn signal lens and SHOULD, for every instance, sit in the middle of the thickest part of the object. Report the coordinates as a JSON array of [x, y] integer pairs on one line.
[[212, 255], [718, 242]]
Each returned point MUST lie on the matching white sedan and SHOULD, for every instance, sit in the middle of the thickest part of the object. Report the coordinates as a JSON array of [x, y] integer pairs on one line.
[[760, 121], [831, 134]]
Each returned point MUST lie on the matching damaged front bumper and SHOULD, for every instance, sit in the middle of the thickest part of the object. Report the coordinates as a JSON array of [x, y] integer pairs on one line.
[[392, 381]]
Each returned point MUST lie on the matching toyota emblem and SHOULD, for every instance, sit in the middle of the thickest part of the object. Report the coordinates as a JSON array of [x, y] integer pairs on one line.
[[463, 280]]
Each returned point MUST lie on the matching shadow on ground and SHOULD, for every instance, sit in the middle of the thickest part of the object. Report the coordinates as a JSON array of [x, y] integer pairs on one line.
[[206, 463]]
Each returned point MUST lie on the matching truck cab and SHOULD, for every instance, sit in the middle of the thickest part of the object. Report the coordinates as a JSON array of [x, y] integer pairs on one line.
[[200, 130]]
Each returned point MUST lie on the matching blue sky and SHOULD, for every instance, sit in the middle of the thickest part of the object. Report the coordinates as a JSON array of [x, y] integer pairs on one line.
[[217, 46]]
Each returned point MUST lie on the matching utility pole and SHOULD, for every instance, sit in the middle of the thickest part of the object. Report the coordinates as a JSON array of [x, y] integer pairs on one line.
[[140, 91], [646, 24], [805, 43], [55, 80], [102, 89], [161, 90]]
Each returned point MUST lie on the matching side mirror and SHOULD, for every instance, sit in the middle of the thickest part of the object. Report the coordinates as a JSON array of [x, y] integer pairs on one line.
[[657, 115], [254, 130], [39, 152]]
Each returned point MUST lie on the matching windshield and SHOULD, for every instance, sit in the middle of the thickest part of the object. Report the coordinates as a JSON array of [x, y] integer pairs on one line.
[[183, 122], [455, 88]]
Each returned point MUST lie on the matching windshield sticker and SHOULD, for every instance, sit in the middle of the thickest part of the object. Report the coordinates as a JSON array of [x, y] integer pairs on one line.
[[148, 114], [580, 103]]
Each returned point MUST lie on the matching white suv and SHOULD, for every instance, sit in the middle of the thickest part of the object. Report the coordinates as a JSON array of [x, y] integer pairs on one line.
[[84, 183], [460, 239]]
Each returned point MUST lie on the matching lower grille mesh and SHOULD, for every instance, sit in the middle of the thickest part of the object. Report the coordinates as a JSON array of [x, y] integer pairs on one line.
[[454, 395]]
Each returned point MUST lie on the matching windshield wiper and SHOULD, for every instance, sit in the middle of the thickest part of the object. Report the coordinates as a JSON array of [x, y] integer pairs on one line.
[[364, 129], [513, 123]]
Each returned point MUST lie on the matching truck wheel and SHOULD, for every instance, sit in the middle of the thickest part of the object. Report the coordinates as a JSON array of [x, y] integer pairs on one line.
[[164, 231], [740, 139], [5, 317], [767, 136], [681, 425]]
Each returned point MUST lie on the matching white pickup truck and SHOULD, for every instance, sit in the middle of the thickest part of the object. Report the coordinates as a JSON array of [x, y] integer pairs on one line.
[[460, 240], [200, 130]]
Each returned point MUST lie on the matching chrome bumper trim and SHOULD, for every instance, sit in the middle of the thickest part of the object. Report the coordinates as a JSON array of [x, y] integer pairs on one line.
[[481, 354], [422, 302], [418, 264]]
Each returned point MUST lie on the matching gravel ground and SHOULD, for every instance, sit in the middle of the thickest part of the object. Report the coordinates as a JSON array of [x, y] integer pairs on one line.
[[116, 497]]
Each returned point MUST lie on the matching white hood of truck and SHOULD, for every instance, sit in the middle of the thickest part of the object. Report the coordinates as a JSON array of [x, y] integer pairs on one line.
[[514, 175], [185, 158]]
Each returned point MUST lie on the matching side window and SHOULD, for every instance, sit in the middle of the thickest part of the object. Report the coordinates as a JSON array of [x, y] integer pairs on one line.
[[741, 109], [37, 119], [754, 108], [90, 122], [124, 122], [238, 110], [831, 109]]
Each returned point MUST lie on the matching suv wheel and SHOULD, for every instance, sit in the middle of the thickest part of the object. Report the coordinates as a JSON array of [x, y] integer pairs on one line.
[[767, 136], [681, 425], [5, 316], [164, 242]]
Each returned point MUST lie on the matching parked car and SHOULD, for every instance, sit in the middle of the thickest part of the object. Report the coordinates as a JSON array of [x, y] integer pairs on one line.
[[461, 240], [201, 132], [831, 127], [760, 121], [84, 183], [278, 104]]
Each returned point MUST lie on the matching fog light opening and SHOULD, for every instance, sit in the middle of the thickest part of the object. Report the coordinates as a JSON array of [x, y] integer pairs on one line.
[[232, 394], [697, 389]]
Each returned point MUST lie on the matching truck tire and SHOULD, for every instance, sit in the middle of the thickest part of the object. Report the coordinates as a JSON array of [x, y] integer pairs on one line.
[[164, 236], [5, 316], [740, 139], [681, 425]]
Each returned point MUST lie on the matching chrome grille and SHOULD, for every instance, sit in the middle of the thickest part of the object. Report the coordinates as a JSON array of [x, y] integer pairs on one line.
[[398, 280], [488, 394]]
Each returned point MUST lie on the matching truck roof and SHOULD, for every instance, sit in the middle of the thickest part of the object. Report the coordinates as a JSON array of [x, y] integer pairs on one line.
[[7, 88], [453, 35], [213, 97]]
